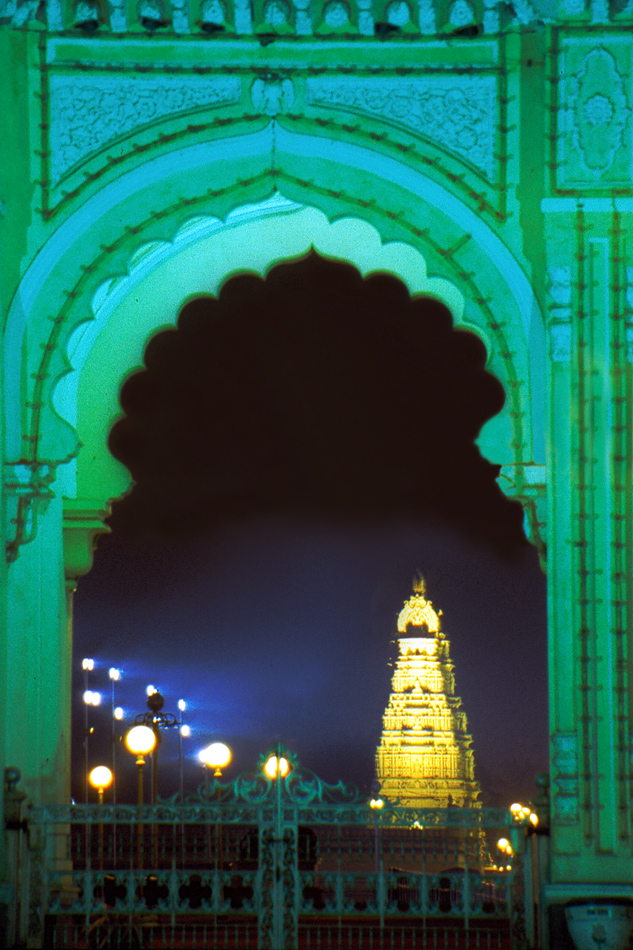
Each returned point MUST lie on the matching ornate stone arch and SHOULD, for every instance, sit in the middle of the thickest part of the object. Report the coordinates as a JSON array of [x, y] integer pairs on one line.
[[76, 307]]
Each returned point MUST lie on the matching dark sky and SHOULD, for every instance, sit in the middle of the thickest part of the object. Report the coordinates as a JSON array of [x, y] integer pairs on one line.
[[301, 446]]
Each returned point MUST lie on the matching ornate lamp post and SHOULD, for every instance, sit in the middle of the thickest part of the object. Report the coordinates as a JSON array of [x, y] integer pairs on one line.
[[154, 718]]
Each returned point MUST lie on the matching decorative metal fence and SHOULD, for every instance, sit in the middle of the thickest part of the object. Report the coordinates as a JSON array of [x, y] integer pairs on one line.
[[267, 863]]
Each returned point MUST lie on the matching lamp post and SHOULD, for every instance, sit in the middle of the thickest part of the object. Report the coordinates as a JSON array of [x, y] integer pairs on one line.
[[183, 733], [276, 767], [87, 665], [115, 676], [100, 778], [140, 740], [376, 804], [216, 756], [154, 718]]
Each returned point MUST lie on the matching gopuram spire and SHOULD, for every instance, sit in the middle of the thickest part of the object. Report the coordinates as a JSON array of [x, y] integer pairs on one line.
[[424, 758]]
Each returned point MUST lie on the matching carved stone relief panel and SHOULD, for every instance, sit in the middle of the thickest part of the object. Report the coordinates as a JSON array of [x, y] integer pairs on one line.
[[88, 113], [595, 114], [457, 113]]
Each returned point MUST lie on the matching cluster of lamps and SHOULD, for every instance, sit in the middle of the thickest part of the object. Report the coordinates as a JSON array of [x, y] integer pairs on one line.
[[142, 738], [524, 814]]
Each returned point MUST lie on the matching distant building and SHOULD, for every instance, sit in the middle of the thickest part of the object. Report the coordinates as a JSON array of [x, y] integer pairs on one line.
[[425, 757]]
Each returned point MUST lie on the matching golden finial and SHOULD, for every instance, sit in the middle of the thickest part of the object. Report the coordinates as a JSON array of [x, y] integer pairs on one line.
[[417, 610], [419, 584]]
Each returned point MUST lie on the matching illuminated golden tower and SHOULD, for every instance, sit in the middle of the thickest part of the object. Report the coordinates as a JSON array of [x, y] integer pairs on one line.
[[424, 758]]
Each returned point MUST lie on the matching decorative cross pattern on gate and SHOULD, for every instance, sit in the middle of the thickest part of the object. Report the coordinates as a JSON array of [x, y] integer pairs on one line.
[[260, 863]]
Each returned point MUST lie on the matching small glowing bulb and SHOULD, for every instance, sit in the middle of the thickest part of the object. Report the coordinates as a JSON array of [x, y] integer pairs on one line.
[[88, 697], [140, 740], [88, 664], [185, 731], [100, 777], [515, 808], [118, 712], [114, 674], [533, 818], [96, 698], [151, 690], [182, 705], [276, 766], [376, 803]]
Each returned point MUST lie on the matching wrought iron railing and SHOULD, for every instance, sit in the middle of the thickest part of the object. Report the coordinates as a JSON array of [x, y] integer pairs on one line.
[[289, 862]]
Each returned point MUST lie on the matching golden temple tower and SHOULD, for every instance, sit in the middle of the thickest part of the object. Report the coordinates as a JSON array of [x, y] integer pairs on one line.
[[424, 758]]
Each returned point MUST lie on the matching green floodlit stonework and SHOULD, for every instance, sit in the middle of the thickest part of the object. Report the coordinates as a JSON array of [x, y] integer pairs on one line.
[[480, 152]]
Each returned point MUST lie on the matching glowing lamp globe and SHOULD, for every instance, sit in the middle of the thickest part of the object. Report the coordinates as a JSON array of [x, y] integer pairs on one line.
[[276, 766], [100, 777], [140, 740], [216, 755]]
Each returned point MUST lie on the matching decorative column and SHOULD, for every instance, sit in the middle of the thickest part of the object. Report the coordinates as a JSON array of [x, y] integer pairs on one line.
[[590, 550]]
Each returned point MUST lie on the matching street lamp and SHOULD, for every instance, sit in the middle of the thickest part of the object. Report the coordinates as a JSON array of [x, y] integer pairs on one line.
[[276, 766], [140, 740], [115, 676], [90, 698], [154, 719], [100, 778], [183, 733], [216, 756], [376, 804]]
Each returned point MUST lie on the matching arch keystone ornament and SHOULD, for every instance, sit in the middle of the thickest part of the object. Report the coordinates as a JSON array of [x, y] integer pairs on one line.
[[481, 153]]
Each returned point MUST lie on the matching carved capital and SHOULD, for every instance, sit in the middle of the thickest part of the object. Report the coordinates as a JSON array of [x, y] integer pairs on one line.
[[527, 483], [84, 521]]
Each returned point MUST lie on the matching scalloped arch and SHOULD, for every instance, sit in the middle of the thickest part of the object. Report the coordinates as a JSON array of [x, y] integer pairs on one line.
[[203, 254]]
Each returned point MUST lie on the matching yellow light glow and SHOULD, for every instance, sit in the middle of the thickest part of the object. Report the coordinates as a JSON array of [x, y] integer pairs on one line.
[[504, 845], [114, 674], [533, 818], [118, 712], [275, 766], [376, 803], [92, 698], [100, 777], [185, 732], [140, 740], [216, 755], [515, 808], [88, 664], [150, 690]]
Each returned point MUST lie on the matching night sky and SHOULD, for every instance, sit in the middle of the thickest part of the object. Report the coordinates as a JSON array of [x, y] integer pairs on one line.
[[300, 446]]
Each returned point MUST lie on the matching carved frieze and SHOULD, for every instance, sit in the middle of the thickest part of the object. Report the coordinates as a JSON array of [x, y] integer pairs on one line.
[[559, 324], [565, 764], [88, 113], [458, 113], [595, 117]]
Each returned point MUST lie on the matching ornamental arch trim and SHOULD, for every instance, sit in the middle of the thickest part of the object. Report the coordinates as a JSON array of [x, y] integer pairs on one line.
[[79, 355]]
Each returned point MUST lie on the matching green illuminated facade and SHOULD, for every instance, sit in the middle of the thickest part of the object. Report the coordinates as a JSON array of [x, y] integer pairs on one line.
[[478, 151]]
